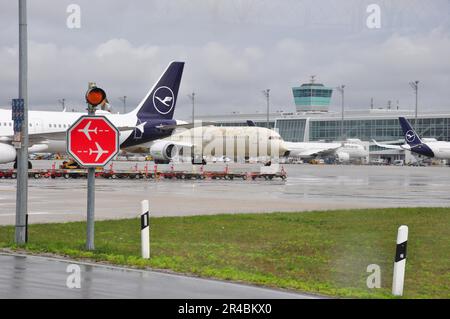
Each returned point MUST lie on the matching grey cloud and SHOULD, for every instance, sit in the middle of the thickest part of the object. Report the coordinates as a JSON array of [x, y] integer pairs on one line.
[[233, 49]]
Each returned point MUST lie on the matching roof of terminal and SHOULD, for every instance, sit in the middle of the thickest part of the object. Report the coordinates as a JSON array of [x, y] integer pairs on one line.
[[312, 84], [351, 114]]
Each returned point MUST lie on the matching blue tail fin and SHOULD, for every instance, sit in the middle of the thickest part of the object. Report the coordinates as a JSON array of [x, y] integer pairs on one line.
[[411, 136], [161, 99]]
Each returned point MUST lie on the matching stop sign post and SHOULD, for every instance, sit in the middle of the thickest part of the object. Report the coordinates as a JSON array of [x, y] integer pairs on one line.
[[92, 141]]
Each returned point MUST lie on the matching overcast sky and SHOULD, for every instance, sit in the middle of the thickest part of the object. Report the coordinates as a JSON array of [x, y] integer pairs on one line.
[[233, 49]]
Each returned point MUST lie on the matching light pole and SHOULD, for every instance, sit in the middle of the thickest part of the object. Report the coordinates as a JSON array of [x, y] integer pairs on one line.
[[415, 87], [22, 147], [266, 93], [124, 101], [63, 103], [341, 90], [192, 98]]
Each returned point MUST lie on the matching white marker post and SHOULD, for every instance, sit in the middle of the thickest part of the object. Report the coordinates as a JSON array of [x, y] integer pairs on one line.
[[145, 230], [400, 261]]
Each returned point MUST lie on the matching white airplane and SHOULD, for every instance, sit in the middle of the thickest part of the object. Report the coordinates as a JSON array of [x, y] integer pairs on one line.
[[351, 149], [429, 147], [152, 119], [87, 131], [241, 142], [99, 151], [344, 151]]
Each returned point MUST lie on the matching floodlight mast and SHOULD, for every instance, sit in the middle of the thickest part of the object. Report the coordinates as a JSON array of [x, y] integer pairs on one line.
[[415, 86], [192, 98], [341, 90], [266, 93]]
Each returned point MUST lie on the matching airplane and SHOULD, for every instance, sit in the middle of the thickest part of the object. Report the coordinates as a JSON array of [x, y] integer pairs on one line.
[[99, 151], [86, 131], [234, 142], [151, 120], [351, 149], [428, 147], [343, 151]]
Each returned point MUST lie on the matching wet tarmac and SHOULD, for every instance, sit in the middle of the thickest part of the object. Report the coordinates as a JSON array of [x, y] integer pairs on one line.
[[41, 277], [308, 187]]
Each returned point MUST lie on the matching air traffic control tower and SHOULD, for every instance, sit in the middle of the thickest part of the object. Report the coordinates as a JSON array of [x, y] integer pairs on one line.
[[312, 97]]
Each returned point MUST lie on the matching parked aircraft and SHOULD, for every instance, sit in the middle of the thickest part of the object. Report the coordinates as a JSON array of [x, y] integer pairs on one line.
[[429, 147], [152, 119], [343, 151]]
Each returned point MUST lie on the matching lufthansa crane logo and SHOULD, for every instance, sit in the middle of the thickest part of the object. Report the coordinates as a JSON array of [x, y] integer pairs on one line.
[[410, 136], [163, 99]]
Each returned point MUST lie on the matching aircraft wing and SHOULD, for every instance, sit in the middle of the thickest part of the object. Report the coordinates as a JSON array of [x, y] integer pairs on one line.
[[316, 152], [305, 151], [394, 147], [38, 138]]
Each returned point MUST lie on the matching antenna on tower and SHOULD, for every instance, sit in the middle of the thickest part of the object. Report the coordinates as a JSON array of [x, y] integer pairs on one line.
[[313, 79]]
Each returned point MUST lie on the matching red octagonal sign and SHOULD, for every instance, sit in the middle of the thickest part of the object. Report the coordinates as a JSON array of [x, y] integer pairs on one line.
[[93, 140]]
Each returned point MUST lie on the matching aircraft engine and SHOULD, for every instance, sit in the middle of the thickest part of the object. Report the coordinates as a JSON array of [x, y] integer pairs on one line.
[[163, 152], [343, 157], [7, 153]]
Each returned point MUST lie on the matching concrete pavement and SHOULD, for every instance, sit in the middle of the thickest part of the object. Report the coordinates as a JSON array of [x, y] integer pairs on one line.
[[42, 277]]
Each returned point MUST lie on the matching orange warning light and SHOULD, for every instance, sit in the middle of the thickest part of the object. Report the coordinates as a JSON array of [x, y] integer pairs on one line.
[[95, 96]]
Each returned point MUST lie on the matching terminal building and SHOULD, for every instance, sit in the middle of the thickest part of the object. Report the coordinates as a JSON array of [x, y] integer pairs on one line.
[[312, 121]]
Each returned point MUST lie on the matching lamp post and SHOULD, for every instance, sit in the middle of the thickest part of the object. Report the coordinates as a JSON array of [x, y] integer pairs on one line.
[[341, 90], [192, 98], [22, 145], [63, 104], [266, 93], [124, 101], [415, 86]]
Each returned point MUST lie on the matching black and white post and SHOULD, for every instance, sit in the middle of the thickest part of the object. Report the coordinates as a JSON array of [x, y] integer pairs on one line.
[[145, 230], [400, 261]]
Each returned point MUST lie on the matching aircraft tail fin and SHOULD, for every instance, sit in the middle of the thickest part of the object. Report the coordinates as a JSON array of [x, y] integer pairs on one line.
[[161, 99], [411, 137]]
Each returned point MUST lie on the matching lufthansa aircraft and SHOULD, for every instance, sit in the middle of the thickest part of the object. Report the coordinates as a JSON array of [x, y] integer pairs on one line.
[[151, 120], [429, 147]]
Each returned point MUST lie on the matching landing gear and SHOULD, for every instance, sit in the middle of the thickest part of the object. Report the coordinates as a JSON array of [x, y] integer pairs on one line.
[[30, 166], [158, 161], [196, 162]]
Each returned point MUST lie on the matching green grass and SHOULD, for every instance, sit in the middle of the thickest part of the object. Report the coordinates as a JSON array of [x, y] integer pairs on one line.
[[318, 252]]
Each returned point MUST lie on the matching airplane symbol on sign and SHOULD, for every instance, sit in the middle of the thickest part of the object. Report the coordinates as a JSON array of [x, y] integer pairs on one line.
[[86, 130], [99, 151]]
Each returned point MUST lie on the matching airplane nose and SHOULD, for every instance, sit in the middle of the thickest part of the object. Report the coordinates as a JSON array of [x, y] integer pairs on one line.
[[282, 149]]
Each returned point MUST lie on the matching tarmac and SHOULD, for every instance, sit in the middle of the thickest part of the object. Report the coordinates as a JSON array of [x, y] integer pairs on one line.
[[308, 187], [41, 277]]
